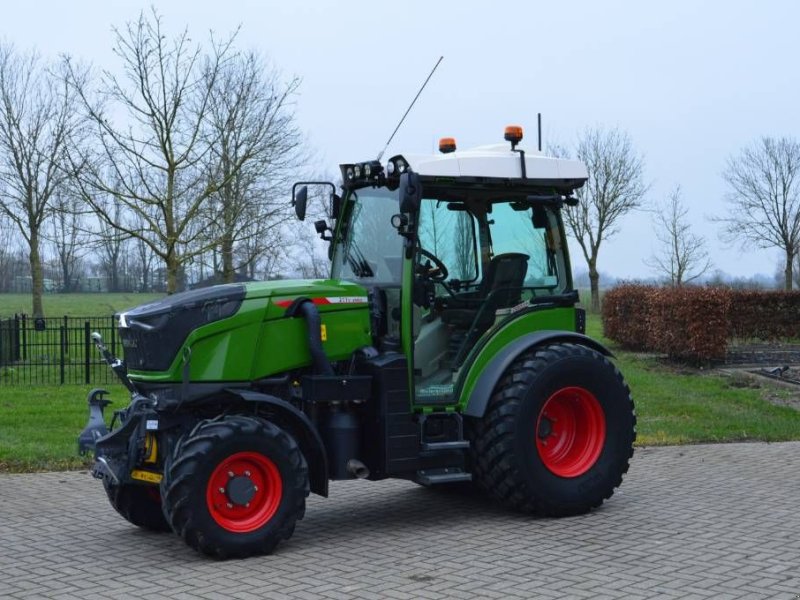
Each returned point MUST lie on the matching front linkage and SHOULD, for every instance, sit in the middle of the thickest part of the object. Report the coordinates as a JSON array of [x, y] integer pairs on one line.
[[125, 452]]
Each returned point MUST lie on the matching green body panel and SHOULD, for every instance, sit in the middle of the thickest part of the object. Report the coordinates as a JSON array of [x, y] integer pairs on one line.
[[283, 343], [259, 341], [498, 338]]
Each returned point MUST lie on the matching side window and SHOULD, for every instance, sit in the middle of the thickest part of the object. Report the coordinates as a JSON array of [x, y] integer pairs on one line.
[[534, 232], [450, 235]]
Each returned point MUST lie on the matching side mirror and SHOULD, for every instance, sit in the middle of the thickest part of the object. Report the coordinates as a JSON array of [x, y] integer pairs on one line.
[[299, 200], [410, 192]]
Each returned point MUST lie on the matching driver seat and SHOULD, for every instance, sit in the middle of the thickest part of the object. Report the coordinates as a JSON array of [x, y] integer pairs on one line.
[[501, 287]]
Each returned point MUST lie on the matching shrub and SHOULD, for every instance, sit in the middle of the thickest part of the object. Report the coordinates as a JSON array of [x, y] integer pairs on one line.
[[696, 323]]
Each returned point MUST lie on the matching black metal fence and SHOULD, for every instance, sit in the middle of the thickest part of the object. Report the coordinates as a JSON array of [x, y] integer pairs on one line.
[[54, 350]]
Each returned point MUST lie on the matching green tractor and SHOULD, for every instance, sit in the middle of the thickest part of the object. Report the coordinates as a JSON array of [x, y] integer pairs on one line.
[[445, 348]]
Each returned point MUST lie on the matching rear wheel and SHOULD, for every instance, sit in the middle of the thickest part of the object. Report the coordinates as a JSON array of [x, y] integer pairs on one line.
[[558, 432], [139, 504], [235, 487]]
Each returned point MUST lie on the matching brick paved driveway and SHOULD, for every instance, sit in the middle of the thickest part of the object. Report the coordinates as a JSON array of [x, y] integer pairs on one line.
[[689, 522]]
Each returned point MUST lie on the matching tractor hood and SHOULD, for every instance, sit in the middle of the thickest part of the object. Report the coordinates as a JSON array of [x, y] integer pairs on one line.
[[226, 316]]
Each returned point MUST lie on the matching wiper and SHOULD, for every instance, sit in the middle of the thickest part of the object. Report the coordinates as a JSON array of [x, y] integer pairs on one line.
[[358, 263]]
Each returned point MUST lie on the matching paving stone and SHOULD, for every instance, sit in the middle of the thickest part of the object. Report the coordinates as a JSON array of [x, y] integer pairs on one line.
[[707, 521]]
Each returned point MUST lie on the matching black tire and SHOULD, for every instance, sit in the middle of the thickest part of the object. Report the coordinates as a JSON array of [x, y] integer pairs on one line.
[[195, 506], [139, 504], [511, 458]]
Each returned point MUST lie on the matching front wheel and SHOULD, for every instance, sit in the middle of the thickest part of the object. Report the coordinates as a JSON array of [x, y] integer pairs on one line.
[[558, 432], [138, 504], [235, 487]]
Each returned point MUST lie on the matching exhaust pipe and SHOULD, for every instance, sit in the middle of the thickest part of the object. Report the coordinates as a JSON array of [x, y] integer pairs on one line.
[[357, 469]]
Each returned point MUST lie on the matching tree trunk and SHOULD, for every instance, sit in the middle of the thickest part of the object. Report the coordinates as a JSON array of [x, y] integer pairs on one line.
[[787, 272], [228, 273], [37, 277], [172, 271], [594, 281]]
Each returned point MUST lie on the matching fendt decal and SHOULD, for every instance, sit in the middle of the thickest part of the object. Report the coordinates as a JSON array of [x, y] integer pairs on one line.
[[331, 300]]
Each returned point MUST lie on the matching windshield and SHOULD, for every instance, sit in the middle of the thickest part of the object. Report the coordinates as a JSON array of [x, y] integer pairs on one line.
[[368, 249]]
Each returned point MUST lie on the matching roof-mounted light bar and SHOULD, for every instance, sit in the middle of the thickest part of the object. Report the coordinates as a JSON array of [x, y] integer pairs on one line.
[[363, 173]]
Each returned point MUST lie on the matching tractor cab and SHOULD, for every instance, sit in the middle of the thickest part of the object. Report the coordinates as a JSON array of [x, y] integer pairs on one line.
[[452, 246]]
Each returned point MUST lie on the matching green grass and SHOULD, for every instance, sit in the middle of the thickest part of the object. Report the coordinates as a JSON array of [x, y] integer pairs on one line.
[[680, 405], [74, 305], [39, 425]]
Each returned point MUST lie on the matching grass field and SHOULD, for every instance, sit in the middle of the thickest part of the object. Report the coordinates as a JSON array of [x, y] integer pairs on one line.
[[39, 425], [73, 305]]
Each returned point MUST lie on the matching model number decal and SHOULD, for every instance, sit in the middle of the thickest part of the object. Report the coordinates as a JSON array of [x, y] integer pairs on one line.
[[328, 300]]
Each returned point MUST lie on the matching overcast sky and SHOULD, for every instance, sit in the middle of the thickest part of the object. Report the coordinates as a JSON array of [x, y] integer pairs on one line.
[[691, 82]]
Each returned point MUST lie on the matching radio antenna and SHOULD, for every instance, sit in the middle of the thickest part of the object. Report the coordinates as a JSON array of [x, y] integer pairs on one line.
[[410, 106]]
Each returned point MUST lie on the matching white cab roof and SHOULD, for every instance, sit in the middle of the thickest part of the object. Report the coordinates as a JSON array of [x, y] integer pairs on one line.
[[496, 160]]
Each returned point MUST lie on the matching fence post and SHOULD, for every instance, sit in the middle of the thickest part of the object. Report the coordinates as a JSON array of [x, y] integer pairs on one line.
[[87, 339], [61, 358], [65, 341], [113, 337], [24, 338], [16, 337]]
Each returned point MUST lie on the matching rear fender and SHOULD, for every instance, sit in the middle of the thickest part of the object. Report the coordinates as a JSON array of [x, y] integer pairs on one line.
[[479, 398], [301, 428]]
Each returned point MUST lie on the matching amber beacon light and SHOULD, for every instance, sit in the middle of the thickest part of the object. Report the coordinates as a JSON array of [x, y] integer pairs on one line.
[[447, 145], [513, 134]]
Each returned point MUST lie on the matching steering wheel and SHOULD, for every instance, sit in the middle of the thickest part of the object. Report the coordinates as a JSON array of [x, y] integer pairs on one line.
[[436, 272]]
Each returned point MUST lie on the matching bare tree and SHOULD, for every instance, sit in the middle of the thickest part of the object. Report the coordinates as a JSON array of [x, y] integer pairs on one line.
[[255, 149], [155, 163], [9, 252], [682, 256], [464, 247], [764, 196], [67, 238], [144, 258], [615, 187], [37, 117], [110, 243]]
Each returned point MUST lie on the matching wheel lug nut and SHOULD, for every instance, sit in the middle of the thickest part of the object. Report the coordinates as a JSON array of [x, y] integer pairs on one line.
[[247, 473], [230, 474], [247, 505], [255, 488], [222, 490], [229, 505]]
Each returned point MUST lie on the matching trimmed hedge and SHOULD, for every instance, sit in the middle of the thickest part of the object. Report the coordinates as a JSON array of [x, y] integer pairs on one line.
[[764, 315], [696, 323]]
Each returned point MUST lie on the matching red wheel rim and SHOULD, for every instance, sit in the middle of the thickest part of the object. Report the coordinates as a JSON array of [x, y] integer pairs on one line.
[[570, 432], [244, 492]]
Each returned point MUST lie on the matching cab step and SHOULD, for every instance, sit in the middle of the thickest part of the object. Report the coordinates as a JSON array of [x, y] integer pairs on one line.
[[445, 446], [444, 475]]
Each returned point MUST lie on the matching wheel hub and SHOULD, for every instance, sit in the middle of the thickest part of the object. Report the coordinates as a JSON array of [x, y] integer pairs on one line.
[[241, 490], [570, 432], [545, 428], [244, 492]]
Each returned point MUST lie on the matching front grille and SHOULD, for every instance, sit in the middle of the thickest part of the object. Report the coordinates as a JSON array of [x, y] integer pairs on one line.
[[156, 331]]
